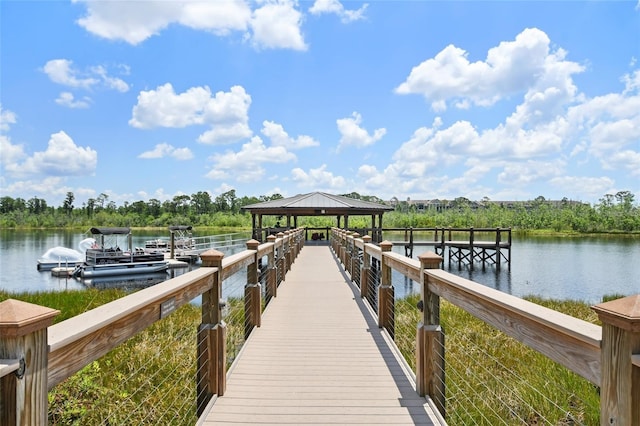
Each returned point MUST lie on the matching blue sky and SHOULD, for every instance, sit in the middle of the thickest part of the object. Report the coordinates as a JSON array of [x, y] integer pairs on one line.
[[508, 100]]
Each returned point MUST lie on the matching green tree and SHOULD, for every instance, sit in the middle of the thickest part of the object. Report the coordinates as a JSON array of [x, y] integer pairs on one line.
[[201, 202], [67, 205], [154, 207]]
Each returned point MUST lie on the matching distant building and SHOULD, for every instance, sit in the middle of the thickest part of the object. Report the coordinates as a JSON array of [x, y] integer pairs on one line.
[[438, 205]]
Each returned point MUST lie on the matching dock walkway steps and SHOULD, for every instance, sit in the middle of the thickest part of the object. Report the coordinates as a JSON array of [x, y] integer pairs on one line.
[[319, 358]]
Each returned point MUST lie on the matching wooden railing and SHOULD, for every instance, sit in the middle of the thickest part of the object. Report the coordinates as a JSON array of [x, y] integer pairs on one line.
[[35, 355], [607, 356]]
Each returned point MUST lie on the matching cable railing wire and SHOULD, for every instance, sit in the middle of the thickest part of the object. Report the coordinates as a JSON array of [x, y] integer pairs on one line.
[[482, 387]]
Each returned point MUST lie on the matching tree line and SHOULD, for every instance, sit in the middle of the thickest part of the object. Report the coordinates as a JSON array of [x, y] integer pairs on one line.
[[613, 213]]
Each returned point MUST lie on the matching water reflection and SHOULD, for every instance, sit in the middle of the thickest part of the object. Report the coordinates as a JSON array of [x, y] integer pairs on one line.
[[127, 283]]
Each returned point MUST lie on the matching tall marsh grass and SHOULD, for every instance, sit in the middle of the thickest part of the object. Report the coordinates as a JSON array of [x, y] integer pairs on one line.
[[150, 379], [491, 379]]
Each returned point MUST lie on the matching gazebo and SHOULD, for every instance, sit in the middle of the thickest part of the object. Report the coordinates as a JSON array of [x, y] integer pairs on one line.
[[317, 204]]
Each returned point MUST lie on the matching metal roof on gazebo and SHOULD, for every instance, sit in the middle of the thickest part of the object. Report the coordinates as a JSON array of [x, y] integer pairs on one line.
[[317, 203]]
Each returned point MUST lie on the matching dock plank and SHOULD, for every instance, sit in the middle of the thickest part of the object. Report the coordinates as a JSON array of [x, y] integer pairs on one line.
[[319, 358]]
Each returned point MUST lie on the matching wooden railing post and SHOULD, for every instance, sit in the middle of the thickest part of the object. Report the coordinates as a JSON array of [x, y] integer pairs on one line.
[[212, 337], [280, 259], [620, 353], [386, 297], [299, 241], [365, 268], [354, 254], [348, 253], [430, 339], [343, 245], [289, 252], [252, 293], [23, 337], [272, 270]]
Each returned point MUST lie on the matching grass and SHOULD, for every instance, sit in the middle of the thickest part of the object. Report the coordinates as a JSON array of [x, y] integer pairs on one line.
[[491, 379], [494, 379], [150, 379]]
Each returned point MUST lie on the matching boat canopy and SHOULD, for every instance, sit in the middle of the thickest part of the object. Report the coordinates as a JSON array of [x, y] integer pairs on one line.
[[110, 231], [180, 228]]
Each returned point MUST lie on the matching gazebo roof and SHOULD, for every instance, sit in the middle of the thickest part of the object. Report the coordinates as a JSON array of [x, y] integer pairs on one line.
[[317, 204]]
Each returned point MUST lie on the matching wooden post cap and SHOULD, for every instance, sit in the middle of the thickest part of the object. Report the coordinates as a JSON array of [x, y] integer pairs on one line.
[[211, 258], [272, 238], [19, 318], [623, 313], [253, 244], [386, 245], [356, 235], [280, 234], [430, 260], [366, 239]]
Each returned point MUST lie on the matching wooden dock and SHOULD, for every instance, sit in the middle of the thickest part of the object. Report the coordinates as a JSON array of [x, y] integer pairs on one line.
[[467, 251], [319, 358]]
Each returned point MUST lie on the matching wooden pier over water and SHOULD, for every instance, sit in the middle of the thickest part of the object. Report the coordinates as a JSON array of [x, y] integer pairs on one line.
[[321, 352], [460, 245], [320, 358]]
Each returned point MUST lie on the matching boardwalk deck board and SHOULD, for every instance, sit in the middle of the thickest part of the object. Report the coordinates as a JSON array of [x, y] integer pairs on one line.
[[319, 358]]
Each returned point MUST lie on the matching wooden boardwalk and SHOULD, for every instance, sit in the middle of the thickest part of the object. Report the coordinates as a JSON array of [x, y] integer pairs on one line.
[[319, 358]]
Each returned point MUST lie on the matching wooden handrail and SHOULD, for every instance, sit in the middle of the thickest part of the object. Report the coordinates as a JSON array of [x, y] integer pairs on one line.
[[580, 346], [569, 341], [408, 267], [572, 342], [82, 339]]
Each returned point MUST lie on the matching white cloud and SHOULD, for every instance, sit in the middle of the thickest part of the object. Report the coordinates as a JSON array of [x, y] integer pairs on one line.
[[274, 24], [67, 99], [335, 6], [353, 134], [11, 154], [317, 178], [509, 68], [225, 112], [621, 160], [166, 150], [222, 134], [48, 187], [63, 72], [218, 17], [527, 172], [110, 82], [7, 118], [246, 164], [279, 137], [592, 187], [61, 158], [631, 82]]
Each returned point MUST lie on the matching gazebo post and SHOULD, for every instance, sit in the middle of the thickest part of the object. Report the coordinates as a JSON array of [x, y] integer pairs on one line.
[[253, 224]]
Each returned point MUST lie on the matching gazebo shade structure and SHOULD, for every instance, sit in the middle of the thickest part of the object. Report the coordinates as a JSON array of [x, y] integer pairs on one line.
[[317, 204]]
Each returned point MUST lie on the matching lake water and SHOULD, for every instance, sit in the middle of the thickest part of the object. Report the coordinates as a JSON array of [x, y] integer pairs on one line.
[[579, 268]]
